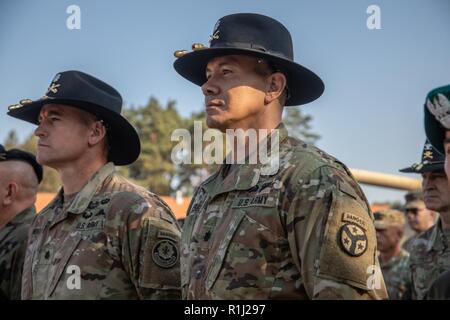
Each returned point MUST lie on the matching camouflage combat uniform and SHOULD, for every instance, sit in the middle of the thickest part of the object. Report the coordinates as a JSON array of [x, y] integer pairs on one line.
[[396, 271], [303, 232], [407, 245], [13, 244], [429, 257], [122, 239], [397, 276], [440, 288]]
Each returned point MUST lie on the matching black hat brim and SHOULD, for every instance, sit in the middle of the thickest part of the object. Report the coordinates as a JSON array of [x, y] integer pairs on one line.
[[124, 143], [432, 167], [304, 85], [434, 131]]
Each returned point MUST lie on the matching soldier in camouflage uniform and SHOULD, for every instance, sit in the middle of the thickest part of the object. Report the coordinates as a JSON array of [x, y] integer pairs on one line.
[[429, 257], [298, 230], [20, 175], [421, 215], [102, 237], [430, 254], [394, 260], [420, 218]]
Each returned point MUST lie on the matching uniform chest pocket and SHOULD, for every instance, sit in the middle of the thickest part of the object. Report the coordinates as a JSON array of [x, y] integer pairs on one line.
[[245, 258], [88, 254], [62, 254]]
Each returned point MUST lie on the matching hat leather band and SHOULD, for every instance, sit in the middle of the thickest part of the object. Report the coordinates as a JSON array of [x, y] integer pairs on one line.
[[246, 45]]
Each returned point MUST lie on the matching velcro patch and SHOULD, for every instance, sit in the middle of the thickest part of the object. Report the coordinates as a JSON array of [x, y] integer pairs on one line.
[[352, 218], [165, 253], [260, 200], [353, 240], [167, 235], [348, 190], [90, 225]]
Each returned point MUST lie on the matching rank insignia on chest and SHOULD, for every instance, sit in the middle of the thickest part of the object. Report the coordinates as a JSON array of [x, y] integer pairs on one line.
[[353, 239]]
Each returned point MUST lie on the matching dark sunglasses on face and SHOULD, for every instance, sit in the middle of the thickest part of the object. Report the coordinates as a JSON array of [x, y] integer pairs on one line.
[[414, 211]]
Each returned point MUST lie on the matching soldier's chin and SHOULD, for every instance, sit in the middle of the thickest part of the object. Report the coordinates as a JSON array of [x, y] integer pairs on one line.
[[214, 122], [433, 204], [40, 159], [44, 160]]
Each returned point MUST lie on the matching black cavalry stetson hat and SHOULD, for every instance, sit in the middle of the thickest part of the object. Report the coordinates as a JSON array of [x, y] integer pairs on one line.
[[83, 91], [431, 161], [254, 35], [20, 155]]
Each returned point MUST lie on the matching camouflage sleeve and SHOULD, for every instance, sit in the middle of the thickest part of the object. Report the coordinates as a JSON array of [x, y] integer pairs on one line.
[[332, 237], [440, 288], [413, 270], [11, 270], [408, 290], [407, 281], [150, 249], [17, 269]]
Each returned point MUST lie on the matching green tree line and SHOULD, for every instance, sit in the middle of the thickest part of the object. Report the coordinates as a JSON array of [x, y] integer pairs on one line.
[[155, 169]]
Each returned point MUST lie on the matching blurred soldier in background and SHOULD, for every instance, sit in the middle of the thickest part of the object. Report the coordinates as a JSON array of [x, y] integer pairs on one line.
[[20, 175], [394, 260], [419, 217], [422, 213]]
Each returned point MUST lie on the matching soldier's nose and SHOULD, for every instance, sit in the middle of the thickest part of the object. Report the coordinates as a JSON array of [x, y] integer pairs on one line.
[[39, 132], [209, 89]]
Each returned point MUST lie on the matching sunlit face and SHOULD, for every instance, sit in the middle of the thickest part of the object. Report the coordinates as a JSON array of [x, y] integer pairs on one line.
[[63, 135], [234, 92], [419, 217], [388, 238], [436, 191]]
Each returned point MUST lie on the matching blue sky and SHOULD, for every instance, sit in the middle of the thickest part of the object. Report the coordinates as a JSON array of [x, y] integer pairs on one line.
[[370, 116]]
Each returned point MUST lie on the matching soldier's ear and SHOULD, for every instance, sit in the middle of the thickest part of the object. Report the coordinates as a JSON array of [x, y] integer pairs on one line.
[[276, 83], [12, 189], [97, 134]]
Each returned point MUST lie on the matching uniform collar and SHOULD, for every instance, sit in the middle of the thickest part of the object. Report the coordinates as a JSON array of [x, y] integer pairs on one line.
[[244, 176], [21, 217], [85, 195], [18, 220], [24, 215]]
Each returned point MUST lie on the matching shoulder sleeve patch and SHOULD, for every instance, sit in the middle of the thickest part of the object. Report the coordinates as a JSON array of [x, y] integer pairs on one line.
[[159, 257], [349, 243]]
